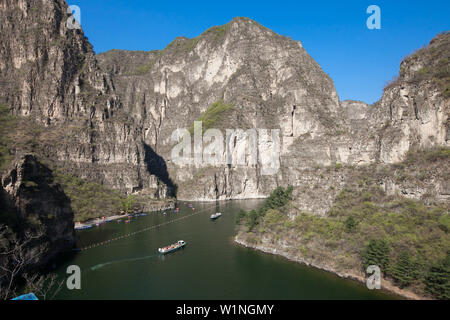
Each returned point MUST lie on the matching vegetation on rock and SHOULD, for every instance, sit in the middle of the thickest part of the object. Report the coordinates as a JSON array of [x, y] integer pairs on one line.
[[212, 115], [435, 62], [406, 238], [89, 199]]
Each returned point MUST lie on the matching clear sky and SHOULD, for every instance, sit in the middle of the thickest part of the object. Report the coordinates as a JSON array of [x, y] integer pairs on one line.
[[334, 33]]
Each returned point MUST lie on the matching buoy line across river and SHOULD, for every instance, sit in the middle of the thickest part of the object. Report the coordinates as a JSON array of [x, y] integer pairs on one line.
[[98, 244]]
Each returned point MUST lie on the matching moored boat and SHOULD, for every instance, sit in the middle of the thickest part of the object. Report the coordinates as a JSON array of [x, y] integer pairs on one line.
[[215, 216], [173, 247], [83, 227]]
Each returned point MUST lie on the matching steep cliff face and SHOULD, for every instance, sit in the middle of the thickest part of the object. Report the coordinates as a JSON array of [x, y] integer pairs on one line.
[[23, 188], [49, 73], [269, 80], [417, 103], [271, 83]]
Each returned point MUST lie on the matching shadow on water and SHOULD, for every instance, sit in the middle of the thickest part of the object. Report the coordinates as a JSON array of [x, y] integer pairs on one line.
[[156, 166]]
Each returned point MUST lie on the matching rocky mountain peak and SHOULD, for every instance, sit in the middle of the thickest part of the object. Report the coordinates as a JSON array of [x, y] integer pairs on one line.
[[429, 62]]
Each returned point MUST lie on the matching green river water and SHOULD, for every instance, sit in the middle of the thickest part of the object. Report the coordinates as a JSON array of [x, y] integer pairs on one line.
[[211, 266]]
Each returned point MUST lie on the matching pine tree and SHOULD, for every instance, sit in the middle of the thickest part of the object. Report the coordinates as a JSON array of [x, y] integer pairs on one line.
[[377, 253], [252, 220], [404, 271], [278, 198], [240, 216], [438, 279], [350, 224]]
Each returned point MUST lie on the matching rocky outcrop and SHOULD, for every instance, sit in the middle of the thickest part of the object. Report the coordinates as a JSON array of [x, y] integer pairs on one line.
[[49, 72], [417, 104], [34, 201]]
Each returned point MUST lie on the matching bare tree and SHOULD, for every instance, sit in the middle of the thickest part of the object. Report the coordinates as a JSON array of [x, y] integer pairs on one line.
[[17, 254], [43, 286]]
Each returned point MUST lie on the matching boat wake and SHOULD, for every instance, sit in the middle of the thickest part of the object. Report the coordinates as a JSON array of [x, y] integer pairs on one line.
[[101, 265]]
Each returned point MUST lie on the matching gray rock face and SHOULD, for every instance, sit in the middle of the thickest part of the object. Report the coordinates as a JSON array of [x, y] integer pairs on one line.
[[49, 72], [270, 80], [272, 83], [417, 105], [126, 105]]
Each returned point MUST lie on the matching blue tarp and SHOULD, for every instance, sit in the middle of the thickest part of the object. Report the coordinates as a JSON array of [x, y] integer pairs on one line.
[[28, 296]]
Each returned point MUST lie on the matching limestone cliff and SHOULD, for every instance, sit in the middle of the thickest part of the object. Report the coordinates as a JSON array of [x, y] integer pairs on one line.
[[49, 72], [272, 83]]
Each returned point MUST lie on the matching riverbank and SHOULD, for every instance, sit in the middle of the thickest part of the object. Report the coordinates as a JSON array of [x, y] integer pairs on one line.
[[169, 204], [93, 222], [284, 252]]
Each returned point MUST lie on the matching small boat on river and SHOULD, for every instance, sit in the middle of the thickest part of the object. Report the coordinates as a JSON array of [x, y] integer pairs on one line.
[[83, 227], [173, 247], [215, 216]]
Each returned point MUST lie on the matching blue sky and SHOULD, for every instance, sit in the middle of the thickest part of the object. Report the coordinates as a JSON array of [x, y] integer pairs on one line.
[[334, 33]]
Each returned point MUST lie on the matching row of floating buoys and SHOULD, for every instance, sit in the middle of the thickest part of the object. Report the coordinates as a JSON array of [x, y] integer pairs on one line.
[[142, 230]]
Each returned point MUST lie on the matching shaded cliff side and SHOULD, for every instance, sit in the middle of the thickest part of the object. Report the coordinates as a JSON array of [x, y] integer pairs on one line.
[[32, 201]]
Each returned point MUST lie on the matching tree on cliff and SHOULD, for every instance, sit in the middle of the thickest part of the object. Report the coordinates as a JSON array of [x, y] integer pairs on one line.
[[129, 203]]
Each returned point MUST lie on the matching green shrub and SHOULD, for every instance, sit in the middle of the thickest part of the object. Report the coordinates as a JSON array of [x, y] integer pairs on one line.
[[212, 115], [241, 215], [252, 220], [92, 200], [444, 222], [278, 198], [276, 201], [129, 203], [350, 224]]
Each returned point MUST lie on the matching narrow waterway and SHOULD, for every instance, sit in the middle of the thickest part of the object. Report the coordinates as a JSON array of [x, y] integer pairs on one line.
[[211, 266]]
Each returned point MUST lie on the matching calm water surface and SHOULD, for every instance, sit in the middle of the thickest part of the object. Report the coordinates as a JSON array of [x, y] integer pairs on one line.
[[211, 266]]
